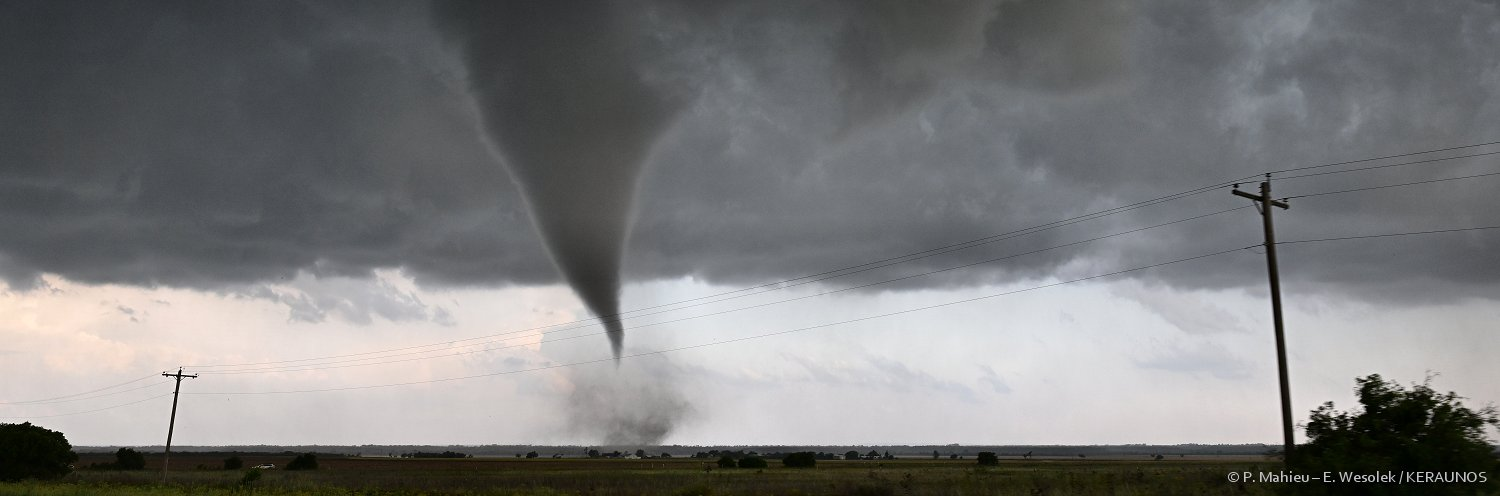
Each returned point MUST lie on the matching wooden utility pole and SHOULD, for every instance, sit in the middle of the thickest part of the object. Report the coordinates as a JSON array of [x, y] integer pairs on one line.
[[1264, 202], [166, 458]]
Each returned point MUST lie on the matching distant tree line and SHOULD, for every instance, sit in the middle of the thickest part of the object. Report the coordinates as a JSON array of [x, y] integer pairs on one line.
[[872, 455], [736, 454], [445, 454], [815, 455]]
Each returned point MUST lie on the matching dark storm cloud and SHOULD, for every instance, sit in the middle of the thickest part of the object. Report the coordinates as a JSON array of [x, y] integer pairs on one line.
[[207, 144], [1070, 108], [203, 144]]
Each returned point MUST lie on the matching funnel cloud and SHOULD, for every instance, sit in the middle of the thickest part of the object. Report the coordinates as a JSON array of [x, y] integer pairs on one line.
[[565, 107]]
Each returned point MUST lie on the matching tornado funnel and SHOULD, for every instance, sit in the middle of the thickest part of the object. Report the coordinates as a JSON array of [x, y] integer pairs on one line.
[[564, 106]]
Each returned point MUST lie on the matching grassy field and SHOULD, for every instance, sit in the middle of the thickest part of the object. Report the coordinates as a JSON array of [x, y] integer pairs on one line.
[[677, 476]]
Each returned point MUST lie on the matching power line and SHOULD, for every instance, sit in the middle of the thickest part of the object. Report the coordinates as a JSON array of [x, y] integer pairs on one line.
[[332, 365], [830, 274], [826, 325], [952, 247], [1388, 235], [1373, 167], [736, 340], [86, 398], [382, 360], [779, 284], [1347, 162], [90, 411], [106, 388], [1310, 195]]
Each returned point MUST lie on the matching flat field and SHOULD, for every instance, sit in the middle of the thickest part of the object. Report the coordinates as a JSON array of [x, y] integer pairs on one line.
[[674, 476]]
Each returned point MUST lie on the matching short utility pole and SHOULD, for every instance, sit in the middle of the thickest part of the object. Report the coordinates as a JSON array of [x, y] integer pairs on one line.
[[172, 423], [1264, 202]]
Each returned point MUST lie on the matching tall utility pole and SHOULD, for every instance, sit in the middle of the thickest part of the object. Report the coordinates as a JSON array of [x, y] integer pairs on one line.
[[172, 423], [1264, 202]]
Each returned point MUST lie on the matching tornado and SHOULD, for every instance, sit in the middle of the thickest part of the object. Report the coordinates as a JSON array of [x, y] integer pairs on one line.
[[564, 106]]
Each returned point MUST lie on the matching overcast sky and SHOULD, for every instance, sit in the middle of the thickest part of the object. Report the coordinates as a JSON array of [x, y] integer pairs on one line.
[[205, 184]]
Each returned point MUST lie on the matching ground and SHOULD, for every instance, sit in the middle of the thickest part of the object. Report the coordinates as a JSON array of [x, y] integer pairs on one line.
[[199, 474]]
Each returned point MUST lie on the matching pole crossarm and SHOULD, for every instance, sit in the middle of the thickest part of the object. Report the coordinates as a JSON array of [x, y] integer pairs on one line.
[[1272, 202]]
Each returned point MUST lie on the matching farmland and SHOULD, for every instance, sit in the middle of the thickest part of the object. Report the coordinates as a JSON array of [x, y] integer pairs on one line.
[[196, 474]]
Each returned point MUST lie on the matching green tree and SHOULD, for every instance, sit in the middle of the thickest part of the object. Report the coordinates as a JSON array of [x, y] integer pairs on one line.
[[851, 455], [532, 454], [305, 461], [33, 452], [800, 459], [233, 463], [129, 459], [726, 462], [1399, 430], [988, 458]]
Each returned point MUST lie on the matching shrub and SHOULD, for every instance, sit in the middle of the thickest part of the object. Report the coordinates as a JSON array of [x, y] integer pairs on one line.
[[305, 461], [988, 458], [250, 476], [801, 459], [752, 462], [851, 455], [233, 463], [129, 459], [29, 451], [726, 462], [1400, 430]]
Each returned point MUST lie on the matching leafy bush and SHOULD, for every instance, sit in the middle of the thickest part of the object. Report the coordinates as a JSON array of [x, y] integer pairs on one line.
[[233, 463], [801, 459], [29, 451], [250, 476], [988, 458], [752, 462], [1399, 430], [305, 461], [129, 459], [726, 462]]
